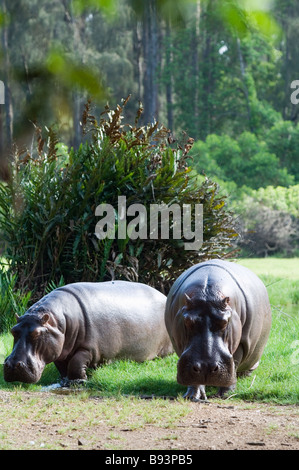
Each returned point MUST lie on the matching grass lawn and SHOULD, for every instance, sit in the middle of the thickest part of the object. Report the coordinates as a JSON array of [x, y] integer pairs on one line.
[[277, 377], [275, 380]]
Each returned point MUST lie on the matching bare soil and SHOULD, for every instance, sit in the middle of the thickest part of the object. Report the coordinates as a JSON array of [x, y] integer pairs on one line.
[[39, 420]]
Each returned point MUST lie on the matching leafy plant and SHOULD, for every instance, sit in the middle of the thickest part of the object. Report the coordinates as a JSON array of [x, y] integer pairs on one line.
[[48, 206], [246, 160], [12, 301], [269, 220]]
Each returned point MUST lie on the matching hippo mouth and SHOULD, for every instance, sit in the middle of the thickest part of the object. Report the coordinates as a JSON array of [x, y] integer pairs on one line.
[[21, 372], [219, 381], [195, 373]]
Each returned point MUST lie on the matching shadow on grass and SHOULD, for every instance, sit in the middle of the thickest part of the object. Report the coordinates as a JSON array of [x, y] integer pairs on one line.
[[106, 382], [142, 387], [127, 378]]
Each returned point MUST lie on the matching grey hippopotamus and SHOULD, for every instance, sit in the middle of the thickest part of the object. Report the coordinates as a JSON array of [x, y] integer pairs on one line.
[[80, 325], [218, 317]]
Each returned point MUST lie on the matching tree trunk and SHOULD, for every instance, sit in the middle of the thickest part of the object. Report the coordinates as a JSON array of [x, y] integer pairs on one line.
[[7, 93], [1, 131], [73, 23], [243, 75], [169, 99], [151, 62], [195, 64], [137, 46], [6, 130], [77, 115]]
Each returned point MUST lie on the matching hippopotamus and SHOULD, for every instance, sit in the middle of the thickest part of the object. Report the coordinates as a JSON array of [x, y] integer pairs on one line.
[[80, 325], [218, 317]]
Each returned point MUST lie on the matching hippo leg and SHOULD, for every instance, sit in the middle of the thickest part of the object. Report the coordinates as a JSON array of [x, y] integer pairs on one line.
[[78, 364], [223, 391], [196, 393], [62, 368], [64, 380], [247, 373]]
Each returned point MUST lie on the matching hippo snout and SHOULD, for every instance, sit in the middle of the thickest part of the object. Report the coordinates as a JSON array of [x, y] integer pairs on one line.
[[10, 365], [201, 367], [19, 371], [214, 372]]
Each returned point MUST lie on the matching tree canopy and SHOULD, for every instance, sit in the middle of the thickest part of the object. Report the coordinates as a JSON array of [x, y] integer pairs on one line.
[[203, 66], [220, 71]]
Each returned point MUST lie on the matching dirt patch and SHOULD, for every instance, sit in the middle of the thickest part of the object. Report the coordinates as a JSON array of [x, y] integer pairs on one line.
[[40, 420]]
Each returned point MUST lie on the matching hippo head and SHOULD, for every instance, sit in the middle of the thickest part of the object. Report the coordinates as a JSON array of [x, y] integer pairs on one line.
[[37, 342], [211, 333]]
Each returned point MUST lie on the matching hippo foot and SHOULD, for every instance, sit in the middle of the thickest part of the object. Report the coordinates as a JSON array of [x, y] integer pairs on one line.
[[196, 393], [224, 391], [65, 382]]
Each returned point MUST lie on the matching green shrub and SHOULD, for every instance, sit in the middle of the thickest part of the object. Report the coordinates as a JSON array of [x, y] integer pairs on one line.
[[246, 160], [48, 207], [269, 220], [12, 301], [283, 140]]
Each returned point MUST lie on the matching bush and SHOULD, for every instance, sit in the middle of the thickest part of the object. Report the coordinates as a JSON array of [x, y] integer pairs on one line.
[[12, 301], [245, 160], [48, 206], [283, 140], [269, 221]]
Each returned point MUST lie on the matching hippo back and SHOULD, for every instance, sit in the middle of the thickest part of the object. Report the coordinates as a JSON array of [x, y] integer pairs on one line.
[[116, 318]]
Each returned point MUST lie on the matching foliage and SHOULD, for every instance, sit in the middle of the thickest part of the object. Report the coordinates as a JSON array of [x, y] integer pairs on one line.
[[269, 219], [48, 206], [12, 300], [276, 198], [245, 160], [283, 140], [222, 82], [73, 49]]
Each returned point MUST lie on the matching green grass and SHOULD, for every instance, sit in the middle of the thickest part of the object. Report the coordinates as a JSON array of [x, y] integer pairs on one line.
[[277, 377], [276, 380]]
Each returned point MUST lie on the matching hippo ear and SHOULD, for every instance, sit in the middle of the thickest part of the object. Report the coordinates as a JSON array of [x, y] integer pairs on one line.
[[45, 318], [17, 316]]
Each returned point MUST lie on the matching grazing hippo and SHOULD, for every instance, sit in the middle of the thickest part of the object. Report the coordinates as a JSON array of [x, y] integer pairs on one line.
[[80, 325], [218, 317]]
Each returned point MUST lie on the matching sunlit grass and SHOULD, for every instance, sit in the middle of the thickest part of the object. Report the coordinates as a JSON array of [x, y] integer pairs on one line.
[[275, 380]]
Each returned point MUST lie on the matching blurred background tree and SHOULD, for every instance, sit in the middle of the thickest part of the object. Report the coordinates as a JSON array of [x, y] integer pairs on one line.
[[204, 66], [219, 70]]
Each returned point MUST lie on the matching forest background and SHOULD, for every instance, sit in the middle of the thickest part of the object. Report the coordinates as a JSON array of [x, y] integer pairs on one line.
[[221, 72]]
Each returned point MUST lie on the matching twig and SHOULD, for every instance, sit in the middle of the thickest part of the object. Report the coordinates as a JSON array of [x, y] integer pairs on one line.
[[281, 311], [252, 381], [234, 394]]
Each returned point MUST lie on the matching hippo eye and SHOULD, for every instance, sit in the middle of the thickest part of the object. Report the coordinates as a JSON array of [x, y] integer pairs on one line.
[[188, 320], [35, 334], [222, 324]]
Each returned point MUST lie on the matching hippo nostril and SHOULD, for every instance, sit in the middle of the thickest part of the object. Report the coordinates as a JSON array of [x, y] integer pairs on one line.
[[215, 368], [7, 363], [197, 367]]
